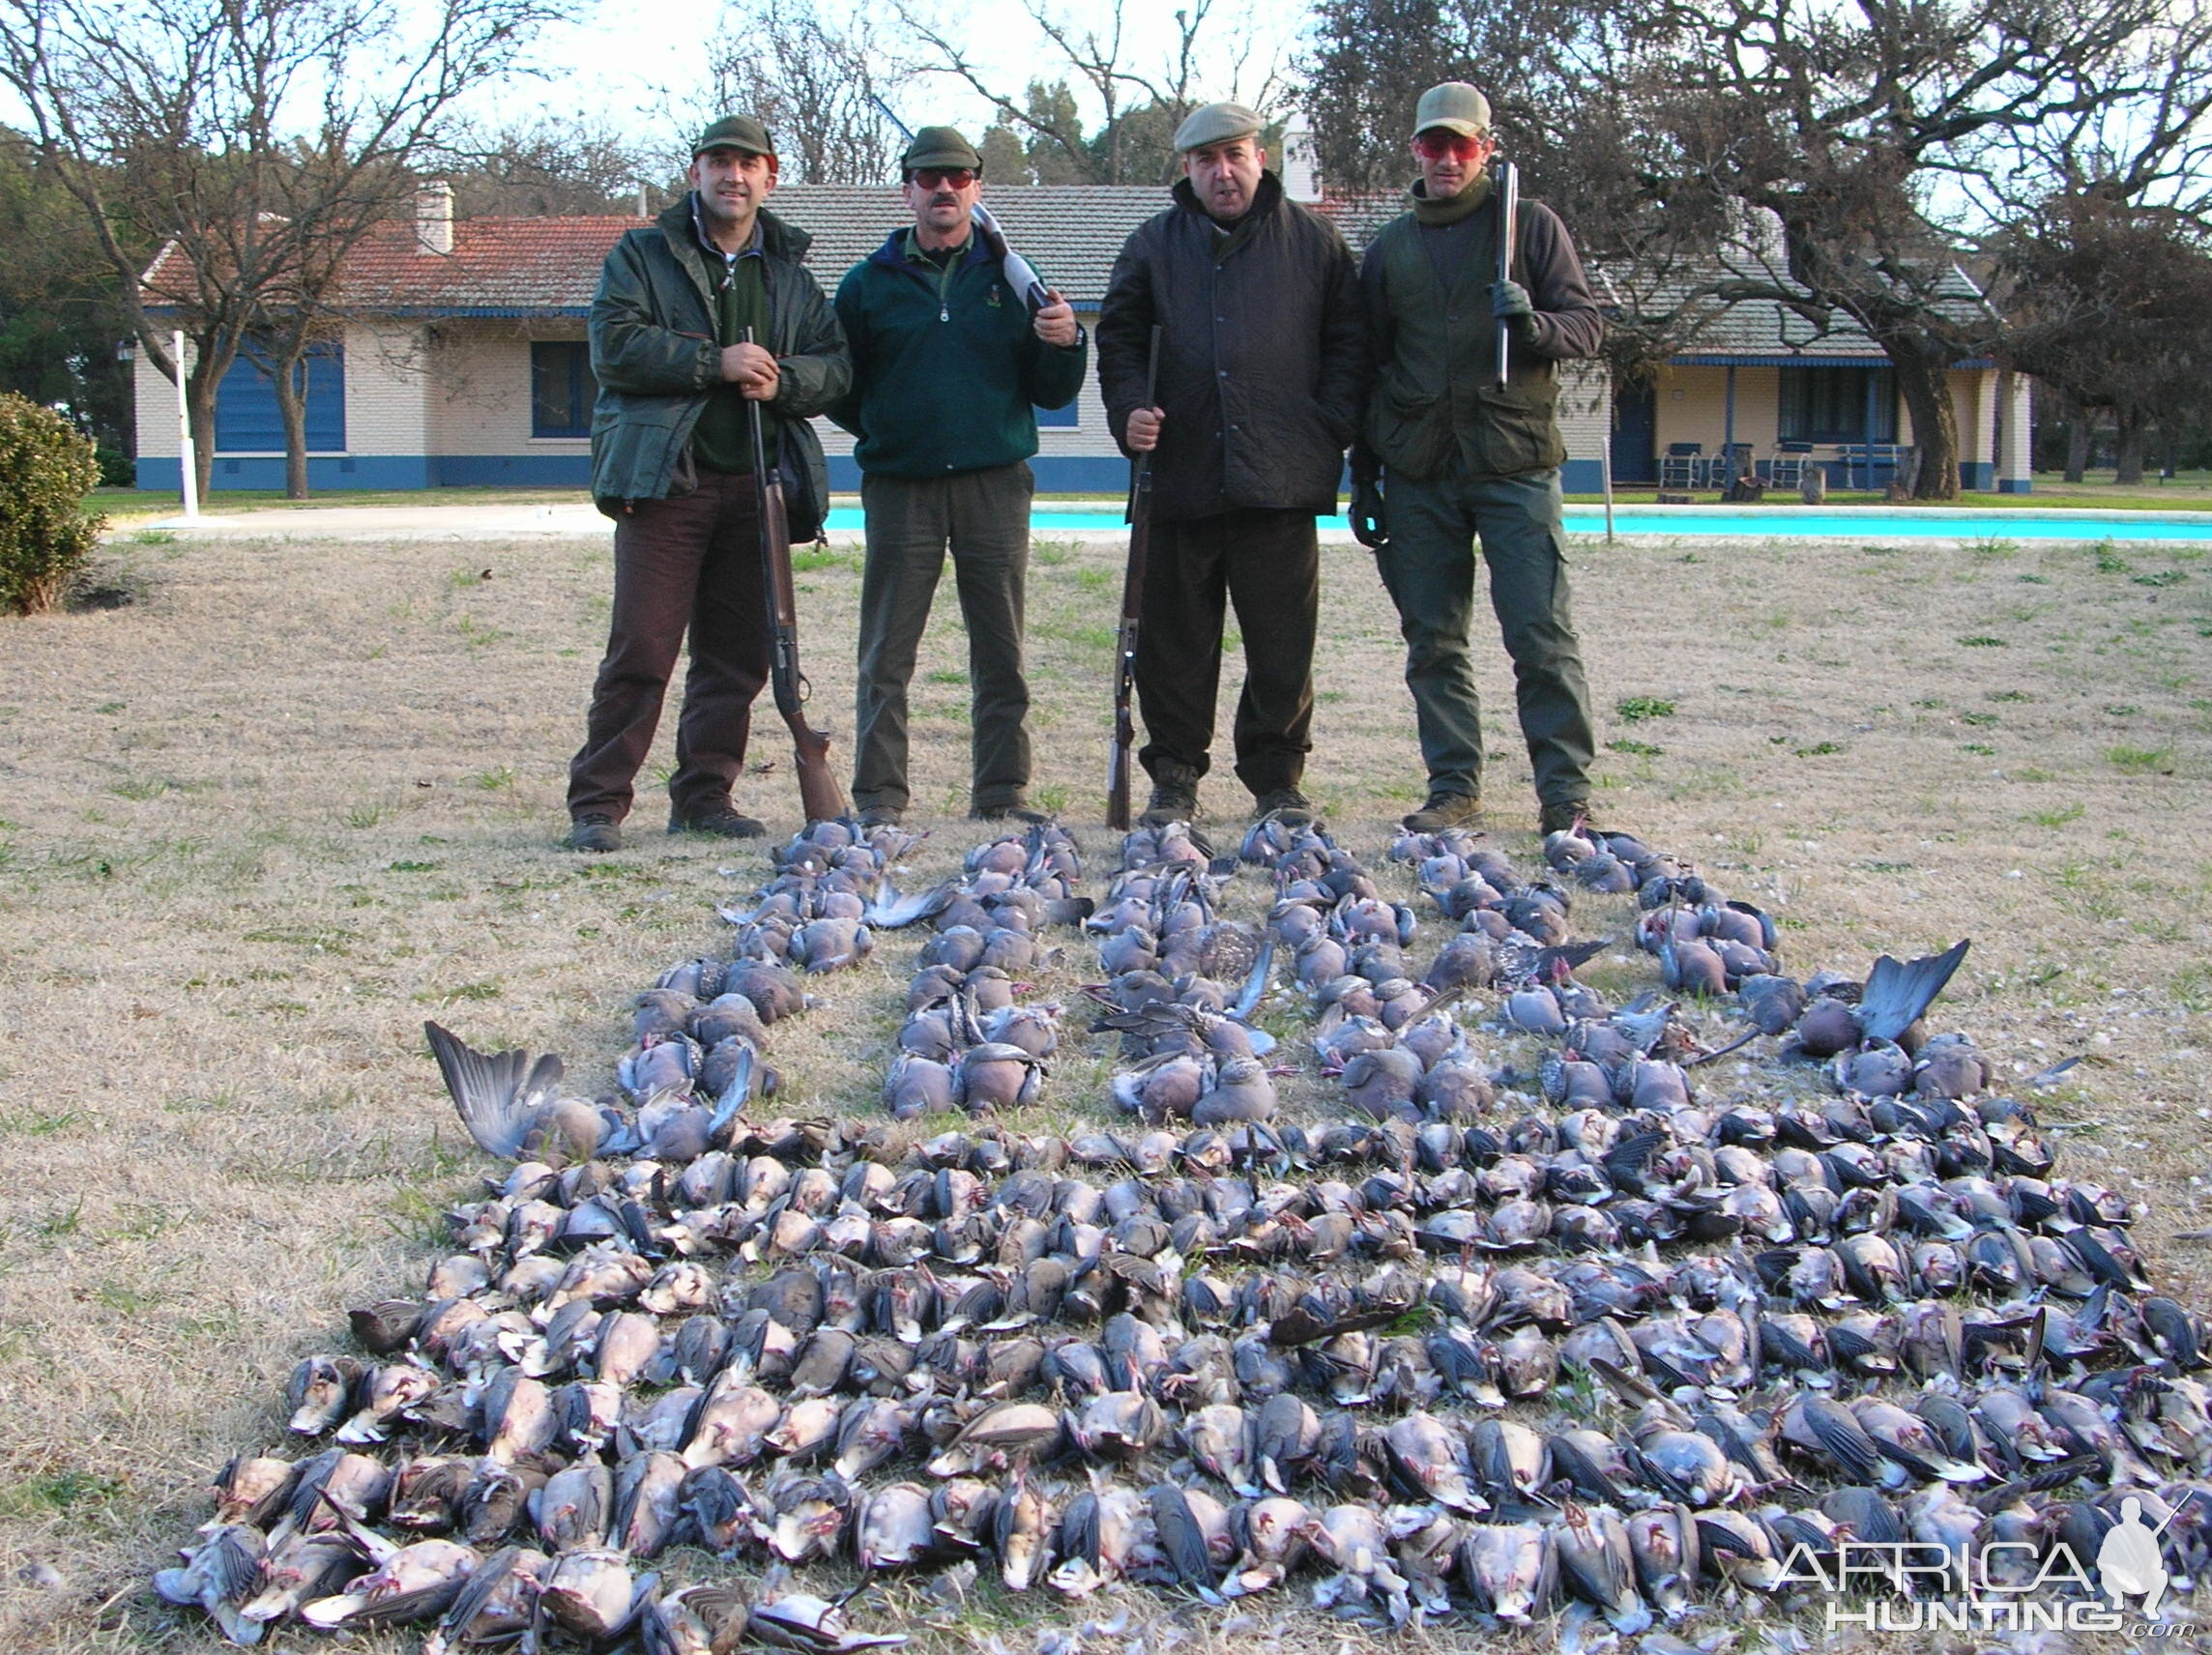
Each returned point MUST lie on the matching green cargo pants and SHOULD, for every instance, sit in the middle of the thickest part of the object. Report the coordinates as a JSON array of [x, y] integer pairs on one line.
[[983, 518], [1429, 569]]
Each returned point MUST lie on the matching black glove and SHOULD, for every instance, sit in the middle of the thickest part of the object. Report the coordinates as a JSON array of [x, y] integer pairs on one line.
[[1510, 304], [1368, 525]]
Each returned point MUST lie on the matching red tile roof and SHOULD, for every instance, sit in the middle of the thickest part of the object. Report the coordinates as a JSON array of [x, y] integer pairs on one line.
[[540, 266]]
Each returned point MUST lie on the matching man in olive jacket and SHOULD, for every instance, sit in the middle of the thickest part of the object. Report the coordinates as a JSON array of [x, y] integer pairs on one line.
[[1263, 356], [672, 464], [948, 365], [1465, 458]]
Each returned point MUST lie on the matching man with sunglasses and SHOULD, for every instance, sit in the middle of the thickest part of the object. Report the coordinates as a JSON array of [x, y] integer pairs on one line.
[[1264, 353], [1463, 457], [672, 464], [948, 367]]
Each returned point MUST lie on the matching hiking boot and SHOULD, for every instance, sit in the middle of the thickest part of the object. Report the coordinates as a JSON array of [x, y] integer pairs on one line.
[[1285, 804], [881, 816], [1174, 799], [1560, 817], [1015, 809], [595, 832], [1444, 810], [722, 821]]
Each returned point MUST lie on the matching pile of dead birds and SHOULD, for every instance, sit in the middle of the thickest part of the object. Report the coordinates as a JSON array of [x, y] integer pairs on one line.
[[1548, 1321]]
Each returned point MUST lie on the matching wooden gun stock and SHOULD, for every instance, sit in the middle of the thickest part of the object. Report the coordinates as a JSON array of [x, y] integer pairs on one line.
[[818, 793], [1132, 614]]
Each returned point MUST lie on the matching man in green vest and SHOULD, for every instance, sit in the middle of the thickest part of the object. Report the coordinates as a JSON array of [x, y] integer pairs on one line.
[[1462, 458], [948, 369]]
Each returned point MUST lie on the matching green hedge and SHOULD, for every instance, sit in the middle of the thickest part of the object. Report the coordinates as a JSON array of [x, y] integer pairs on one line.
[[47, 469]]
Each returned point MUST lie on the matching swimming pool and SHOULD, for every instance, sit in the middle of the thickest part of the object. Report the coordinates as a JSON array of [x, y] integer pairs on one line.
[[1759, 522]]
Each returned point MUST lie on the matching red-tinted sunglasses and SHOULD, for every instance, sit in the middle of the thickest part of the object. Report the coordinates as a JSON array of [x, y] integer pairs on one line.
[[1447, 146], [945, 177]]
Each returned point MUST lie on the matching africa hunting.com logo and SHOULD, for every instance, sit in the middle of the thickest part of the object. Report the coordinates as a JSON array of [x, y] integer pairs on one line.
[[1999, 1587]]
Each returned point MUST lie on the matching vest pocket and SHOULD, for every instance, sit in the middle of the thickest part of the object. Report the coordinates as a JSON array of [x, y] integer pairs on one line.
[[1514, 431], [1409, 427]]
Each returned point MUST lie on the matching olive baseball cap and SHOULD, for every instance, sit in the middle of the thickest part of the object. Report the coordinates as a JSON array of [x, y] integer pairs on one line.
[[1456, 107], [734, 132], [1215, 123], [940, 146]]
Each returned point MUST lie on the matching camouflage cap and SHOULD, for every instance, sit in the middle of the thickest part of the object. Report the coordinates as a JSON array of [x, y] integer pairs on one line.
[[734, 132], [1215, 123], [940, 146], [1456, 107]]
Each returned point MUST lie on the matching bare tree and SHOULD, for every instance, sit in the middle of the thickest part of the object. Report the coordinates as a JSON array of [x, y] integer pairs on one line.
[[817, 79], [530, 169], [260, 139], [1135, 93], [2111, 308]]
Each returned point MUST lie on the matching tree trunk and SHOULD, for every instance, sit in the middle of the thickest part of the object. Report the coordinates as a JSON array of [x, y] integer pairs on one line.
[[2128, 460], [1923, 382], [199, 403], [290, 377], [2078, 444]]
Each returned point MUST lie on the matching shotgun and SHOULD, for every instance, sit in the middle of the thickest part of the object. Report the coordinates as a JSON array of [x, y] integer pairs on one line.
[[818, 790], [1508, 232], [1132, 612]]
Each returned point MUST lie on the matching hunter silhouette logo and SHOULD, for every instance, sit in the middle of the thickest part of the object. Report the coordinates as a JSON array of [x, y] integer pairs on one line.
[[2129, 1563], [2000, 1585]]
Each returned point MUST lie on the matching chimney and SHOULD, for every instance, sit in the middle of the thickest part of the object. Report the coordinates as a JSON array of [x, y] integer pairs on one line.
[[434, 218], [1301, 175], [644, 201]]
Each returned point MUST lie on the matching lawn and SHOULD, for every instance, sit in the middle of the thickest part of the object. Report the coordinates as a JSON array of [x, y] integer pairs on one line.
[[290, 799]]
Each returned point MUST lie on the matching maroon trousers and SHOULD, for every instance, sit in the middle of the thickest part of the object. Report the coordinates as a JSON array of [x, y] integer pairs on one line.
[[692, 561]]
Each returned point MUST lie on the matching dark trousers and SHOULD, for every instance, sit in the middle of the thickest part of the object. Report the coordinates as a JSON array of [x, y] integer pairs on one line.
[[692, 561], [1429, 568], [1268, 563], [983, 517]]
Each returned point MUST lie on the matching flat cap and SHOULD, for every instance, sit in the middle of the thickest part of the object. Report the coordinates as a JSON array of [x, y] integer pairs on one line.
[[1456, 107], [734, 132], [1215, 123], [940, 146]]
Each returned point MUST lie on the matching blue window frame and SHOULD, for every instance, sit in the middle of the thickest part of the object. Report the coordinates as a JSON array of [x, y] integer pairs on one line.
[[1839, 405], [1063, 417], [562, 387], [246, 420]]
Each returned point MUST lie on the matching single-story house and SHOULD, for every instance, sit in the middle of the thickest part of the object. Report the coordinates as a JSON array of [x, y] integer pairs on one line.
[[1762, 377], [462, 360]]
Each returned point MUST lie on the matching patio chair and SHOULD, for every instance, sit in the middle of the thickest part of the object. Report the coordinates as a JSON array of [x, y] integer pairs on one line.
[[1682, 466], [1787, 467]]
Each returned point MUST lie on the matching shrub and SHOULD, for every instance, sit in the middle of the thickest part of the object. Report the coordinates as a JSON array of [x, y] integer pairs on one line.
[[47, 469], [117, 468]]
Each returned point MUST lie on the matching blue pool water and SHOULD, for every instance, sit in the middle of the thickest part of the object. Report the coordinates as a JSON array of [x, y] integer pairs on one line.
[[1866, 525]]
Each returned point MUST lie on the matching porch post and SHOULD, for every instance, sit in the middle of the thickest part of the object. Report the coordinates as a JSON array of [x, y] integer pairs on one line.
[[188, 462]]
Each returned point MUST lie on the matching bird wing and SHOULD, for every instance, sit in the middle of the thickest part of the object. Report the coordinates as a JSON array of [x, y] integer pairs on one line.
[[496, 1092], [1896, 995], [894, 912]]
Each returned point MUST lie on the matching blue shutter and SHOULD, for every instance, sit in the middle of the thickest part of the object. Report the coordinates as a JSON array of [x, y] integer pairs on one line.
[[246, 416]]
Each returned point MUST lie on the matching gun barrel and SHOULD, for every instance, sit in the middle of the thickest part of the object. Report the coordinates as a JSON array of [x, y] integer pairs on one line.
[[1508, 233], [818, 793]]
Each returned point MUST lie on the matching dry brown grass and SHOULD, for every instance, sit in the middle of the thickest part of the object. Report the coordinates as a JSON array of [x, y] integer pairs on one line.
[[297, 796]]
